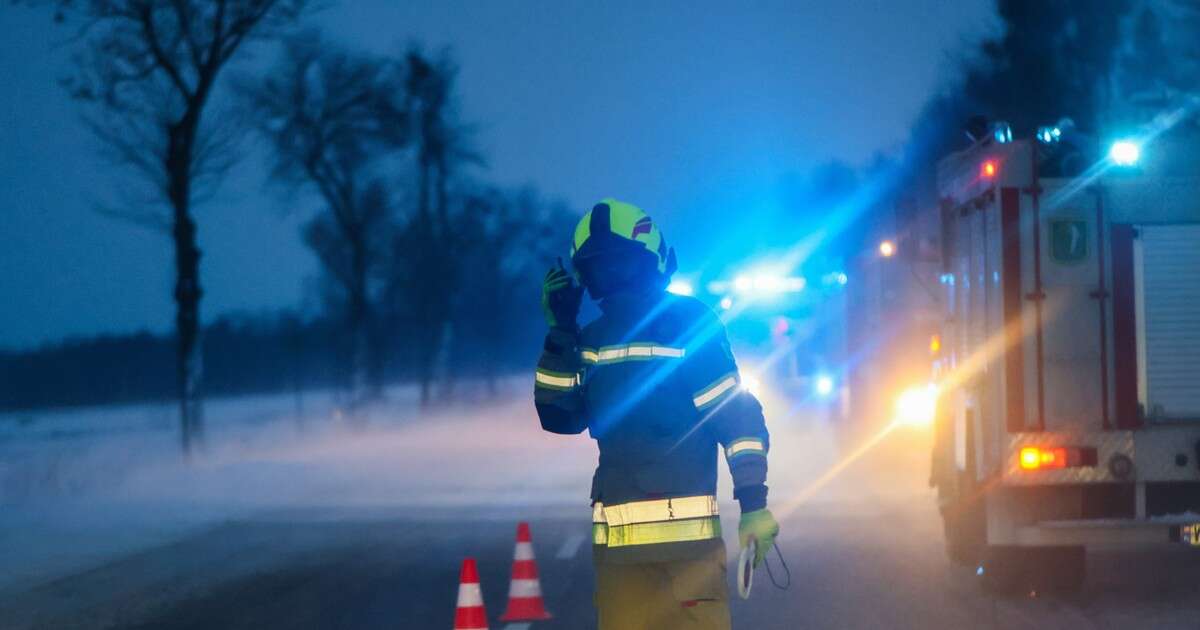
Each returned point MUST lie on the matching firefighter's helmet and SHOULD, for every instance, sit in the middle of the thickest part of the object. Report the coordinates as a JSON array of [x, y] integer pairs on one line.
[[616, 245]]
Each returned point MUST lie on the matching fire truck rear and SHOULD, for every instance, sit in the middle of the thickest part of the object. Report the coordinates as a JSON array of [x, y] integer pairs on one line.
[[1069, 413]]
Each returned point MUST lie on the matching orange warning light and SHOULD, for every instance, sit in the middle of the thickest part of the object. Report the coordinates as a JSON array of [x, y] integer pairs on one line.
[[1034, 458]]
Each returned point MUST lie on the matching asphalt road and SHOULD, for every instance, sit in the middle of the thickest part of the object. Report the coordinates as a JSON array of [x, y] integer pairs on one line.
[[864, 552]]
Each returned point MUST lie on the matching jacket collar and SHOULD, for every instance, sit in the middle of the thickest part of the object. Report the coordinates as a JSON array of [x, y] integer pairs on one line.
[[632, 302]]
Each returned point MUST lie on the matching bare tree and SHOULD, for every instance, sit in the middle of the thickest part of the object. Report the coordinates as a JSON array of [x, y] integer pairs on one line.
[[514, 235], [335, 121], [146, 70], [443, 146]]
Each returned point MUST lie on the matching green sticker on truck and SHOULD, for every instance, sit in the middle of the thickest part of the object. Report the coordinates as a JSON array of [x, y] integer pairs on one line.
[[1068, 241]]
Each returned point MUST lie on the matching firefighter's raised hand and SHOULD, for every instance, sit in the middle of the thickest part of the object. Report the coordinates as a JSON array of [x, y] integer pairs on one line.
[[560, 298], [761, 526]]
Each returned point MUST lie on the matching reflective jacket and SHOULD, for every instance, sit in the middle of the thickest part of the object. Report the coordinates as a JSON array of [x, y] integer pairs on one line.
[[655, 384]]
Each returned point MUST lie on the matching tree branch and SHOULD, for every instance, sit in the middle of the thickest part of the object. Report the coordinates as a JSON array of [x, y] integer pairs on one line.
[[184, 18], [146, 17]]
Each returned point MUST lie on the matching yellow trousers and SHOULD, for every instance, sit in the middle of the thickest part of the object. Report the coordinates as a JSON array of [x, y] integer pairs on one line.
[[680, 594]]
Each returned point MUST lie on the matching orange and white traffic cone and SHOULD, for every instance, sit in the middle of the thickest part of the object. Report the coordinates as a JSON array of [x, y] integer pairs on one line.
[[469, 614], [525, 593]]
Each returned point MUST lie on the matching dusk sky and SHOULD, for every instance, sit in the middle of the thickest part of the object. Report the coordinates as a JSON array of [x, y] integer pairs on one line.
[[692, 111]]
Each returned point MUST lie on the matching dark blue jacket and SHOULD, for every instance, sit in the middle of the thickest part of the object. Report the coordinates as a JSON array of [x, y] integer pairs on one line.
[[654, 382]]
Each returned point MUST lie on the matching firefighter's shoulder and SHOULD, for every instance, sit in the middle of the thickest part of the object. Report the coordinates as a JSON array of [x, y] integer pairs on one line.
[[690, 311]]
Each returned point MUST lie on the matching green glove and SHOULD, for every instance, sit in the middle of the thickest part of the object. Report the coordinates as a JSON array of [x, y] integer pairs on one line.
[[561, 298], [759, 525]]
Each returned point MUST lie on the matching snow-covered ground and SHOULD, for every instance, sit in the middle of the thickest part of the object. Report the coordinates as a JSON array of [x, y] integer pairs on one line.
[[80, 486]]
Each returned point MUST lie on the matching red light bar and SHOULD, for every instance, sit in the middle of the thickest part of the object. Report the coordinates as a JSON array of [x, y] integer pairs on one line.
[[988, 169]]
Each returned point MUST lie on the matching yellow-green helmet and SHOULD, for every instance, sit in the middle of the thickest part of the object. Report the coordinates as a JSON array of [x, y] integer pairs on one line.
[[613, 224], [616, 230]]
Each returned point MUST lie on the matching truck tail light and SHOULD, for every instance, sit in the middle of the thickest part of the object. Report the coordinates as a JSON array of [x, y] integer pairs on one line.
[[1037, 458], [1055, 457]]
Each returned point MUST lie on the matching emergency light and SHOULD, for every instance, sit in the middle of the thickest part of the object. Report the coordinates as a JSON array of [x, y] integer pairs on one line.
[[1002, 132], [768, 283], [1049, 135], [681, 287], [917, 406], [1125, 153], [1055, 457]]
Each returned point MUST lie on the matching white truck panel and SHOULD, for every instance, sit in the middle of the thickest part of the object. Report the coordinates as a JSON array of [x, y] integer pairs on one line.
[[1167, 264], [1071, 316]]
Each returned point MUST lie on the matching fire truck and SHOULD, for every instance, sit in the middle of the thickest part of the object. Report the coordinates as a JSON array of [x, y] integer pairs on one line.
[[1069, 366], [787, 331]]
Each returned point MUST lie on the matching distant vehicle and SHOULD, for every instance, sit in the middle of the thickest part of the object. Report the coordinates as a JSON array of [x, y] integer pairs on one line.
[[1069, 360], [787, 332]]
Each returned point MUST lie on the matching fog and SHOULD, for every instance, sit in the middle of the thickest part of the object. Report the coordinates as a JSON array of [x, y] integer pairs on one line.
[[84, 485]]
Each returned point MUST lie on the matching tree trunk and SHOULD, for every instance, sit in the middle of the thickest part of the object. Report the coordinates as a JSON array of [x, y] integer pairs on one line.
[[358, 324], [189, 351], [444, 290], [426, 343]]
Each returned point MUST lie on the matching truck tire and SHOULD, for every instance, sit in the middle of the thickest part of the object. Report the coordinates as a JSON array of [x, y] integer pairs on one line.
[[964, 515], [1008, 570], [965, 528]]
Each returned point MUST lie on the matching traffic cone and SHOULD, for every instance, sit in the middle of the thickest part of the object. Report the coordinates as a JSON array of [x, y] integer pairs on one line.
[[525, 592], [469, 614]]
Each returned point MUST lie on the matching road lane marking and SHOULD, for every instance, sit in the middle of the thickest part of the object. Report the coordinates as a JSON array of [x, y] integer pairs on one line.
[[518, 626], [570, 547]]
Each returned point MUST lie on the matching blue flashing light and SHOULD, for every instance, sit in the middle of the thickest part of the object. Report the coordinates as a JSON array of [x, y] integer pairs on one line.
[[680, 287], [824, 385], [1002, 132], [834, 277], [768, 284], [1049, 135], [1125, 153]]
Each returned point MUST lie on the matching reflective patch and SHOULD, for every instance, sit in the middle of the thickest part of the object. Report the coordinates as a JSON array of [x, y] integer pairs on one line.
[[599, 534], [599, 525], [665, 532], [743, 446], [555, 380], [637, 351], [713, 394], [656, 521], [655, 510]]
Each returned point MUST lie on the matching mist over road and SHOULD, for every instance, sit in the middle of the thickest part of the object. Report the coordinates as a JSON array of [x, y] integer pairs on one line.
[[364, 528]]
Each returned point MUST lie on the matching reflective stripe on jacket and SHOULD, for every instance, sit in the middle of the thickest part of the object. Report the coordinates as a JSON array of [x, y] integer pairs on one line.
[[655, 384], [679, 519]]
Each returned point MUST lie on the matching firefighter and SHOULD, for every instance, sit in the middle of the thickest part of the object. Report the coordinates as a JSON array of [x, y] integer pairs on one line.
[[654, 382]]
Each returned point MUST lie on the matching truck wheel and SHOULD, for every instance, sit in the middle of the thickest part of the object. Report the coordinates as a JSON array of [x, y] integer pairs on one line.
[[1006, 570], [965, 527]]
